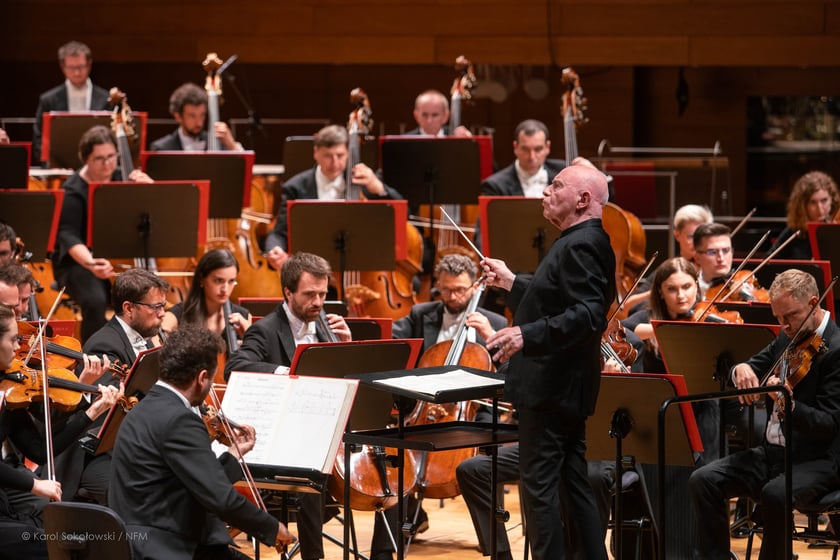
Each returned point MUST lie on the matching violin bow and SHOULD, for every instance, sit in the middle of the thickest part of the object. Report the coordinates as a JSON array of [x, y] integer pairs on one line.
[[801, 328], [39, 337], [729, 280], [740, 283], [743, 222], [635, 285]]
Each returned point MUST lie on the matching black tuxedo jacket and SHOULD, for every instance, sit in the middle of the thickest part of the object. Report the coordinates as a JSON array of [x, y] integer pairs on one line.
[[816, 397], [56, 100], [506, 183], [166, 481], [562, 313], [425, 319], [171, 142], [303, 186]]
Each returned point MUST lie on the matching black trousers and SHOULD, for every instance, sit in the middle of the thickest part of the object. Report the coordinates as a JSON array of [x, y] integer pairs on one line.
[[756, 473]]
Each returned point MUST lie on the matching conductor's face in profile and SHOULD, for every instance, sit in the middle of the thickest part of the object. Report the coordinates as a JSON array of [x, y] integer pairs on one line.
[[306, 302]]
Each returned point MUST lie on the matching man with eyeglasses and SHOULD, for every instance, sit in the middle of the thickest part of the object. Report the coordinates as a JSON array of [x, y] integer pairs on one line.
[[438, 321], [87, 277], [77, 93], [139, 299], [713, 254]]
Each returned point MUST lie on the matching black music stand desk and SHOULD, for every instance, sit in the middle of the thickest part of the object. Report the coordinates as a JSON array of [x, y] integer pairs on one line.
[[14, 165], [436, 437], [355, 235], [160, 219], [34, 215], [64, 129], [625, 423], [512, 226]]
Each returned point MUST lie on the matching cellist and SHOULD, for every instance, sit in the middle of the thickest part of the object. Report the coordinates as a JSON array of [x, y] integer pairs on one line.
[[434, 322], [325, 181]]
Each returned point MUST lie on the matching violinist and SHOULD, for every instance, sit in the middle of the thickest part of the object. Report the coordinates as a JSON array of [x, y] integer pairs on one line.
[[326, 181], [814, 198], [758, 472], [85, 276], [269, 346], [9, 291], [166, 483], [22, 494], [22, 278], [213, 282], [188, 106], [139, 298], [713, 255], [431, 111]]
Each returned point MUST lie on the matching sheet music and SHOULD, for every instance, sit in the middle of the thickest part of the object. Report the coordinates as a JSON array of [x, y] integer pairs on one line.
[[299, 420], [434, 384]]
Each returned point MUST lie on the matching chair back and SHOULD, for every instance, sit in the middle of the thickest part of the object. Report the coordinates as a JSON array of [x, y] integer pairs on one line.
[[85, 531]]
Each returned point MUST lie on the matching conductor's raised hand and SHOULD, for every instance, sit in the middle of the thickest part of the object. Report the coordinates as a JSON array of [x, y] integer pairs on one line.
[[497, 273]]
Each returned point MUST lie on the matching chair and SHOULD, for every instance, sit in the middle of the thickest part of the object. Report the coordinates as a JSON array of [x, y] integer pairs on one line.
[[85, 531], [828, 505]]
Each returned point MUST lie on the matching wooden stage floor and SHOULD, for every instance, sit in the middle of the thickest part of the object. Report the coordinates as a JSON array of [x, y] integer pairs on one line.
[[451, 535]]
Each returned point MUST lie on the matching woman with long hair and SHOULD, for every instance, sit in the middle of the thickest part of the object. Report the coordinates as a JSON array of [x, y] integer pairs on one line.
[[814, 198], [212, 285]]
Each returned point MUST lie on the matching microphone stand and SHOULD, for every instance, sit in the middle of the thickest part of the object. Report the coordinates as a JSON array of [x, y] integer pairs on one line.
[[254, 123]]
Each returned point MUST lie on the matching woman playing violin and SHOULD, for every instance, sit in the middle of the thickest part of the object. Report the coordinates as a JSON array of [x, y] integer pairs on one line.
[[212, 284], [86, 277], [814, 198], [19, 485]]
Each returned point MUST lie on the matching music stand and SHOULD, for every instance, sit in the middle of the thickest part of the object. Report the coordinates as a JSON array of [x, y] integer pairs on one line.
[[142, 376], [627, 412], [34, 216], [432, 171], [14, 165], [719, 345], [513, 224], [229, 174], [262, 306], [297, 155], [368, 328], [353, 235], [160, 219], [63, 130], [819, 269]]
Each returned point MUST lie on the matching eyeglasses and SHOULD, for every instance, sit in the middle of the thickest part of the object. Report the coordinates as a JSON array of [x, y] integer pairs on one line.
[[446, 292], [76, 68], [715, 252], [104, 159], [156, 307]]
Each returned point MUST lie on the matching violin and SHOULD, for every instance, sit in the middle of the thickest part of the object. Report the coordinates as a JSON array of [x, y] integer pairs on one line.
[[614, 344], [23, 385], [743, 287], [63, 352], [214, 421], [801, 356], [711, 314]]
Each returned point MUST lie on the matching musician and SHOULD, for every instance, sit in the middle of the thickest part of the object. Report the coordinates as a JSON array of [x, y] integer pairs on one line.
[[77, 93], [814, 198], [165, 479], [188, 106], [9, 292], [758, 472], [22, 494], [139, 299], [85, 276], [326, 181], [213, 282], [554, 353], [431, 111], [22, 277], [438, 321], [4, 137], [713, 254], [8, 243], [269, 346], [530, 172]]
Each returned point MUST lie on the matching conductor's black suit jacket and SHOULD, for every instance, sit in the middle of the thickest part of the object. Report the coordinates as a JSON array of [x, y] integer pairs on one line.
[[562, 313], [166, 481]]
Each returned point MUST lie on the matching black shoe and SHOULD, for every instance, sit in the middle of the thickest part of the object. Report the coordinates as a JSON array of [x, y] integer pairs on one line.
[[740, 533]]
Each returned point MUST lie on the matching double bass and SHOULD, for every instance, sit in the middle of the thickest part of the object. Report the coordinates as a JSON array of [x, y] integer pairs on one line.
[[378, 293], [240, 236]]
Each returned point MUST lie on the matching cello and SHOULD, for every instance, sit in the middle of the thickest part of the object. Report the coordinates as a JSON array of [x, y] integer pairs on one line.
[[379, 293], [436, 470]]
